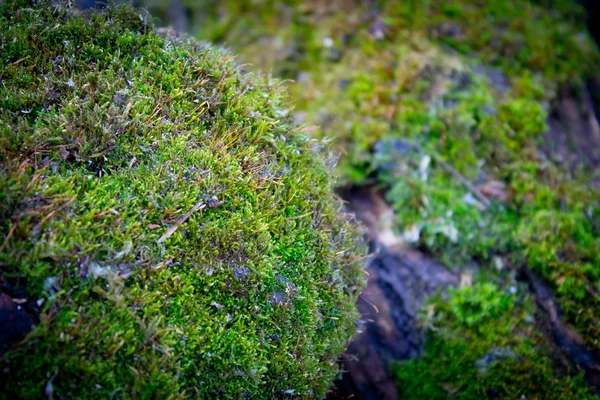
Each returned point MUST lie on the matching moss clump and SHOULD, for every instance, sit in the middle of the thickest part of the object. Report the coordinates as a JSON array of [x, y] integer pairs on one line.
[[176, 233], [408, 88]]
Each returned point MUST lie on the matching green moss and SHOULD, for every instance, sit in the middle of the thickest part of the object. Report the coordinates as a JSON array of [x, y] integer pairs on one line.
[[111, 135], [359, 78], [482, 343]]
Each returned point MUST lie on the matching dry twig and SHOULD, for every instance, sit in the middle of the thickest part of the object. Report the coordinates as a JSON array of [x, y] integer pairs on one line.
[[180, 221]]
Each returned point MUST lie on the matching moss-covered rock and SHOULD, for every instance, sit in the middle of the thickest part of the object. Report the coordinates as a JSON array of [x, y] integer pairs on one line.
[[175, 232]]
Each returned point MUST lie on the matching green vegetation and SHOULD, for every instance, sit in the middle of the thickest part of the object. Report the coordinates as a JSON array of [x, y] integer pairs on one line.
[[486, 345], [176, 231], [410, 91]]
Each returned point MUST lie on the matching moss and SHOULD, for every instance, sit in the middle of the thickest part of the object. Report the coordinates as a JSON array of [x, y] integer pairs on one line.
[[175, 231], [483, 343], [406, 89]]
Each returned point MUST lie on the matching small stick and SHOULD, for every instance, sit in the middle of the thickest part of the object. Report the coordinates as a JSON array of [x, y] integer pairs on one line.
[[464, 181], [10, 233], [180, 221], [19, 61]]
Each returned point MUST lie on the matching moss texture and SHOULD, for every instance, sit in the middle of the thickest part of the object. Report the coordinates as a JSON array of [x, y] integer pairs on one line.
[[483, 343], [175, 231], [406, 89]]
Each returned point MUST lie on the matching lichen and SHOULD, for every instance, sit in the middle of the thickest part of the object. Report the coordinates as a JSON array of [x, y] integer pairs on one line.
[[154, 199]]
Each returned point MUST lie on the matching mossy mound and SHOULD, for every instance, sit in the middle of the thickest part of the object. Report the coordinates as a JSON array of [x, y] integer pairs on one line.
[[176, 233], [421, 96]]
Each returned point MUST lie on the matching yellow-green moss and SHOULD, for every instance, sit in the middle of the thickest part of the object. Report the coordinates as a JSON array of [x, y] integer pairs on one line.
[[112, 134]]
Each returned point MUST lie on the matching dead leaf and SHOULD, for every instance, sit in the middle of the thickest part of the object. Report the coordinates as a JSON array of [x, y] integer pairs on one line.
[[214, 202]]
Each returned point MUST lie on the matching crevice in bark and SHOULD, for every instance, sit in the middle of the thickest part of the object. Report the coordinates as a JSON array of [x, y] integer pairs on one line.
[[399, 280], [566, 339]]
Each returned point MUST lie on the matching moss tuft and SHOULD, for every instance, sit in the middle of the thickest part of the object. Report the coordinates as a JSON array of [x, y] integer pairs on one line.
[[174, 230]]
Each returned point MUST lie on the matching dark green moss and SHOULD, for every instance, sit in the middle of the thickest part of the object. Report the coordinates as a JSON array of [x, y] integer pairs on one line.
[[178, 232]]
